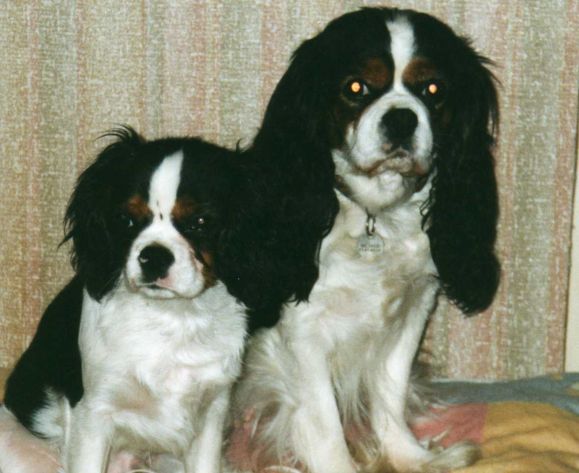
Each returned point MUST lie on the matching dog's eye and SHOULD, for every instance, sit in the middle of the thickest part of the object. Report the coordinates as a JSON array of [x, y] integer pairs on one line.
[[434, 91], [125, 221], [356, 89], [196, 225]]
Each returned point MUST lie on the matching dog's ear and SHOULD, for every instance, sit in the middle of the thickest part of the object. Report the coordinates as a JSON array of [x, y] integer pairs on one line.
[[461, 216], [267, 253], [87, 219], [270, 253], [298, 107]]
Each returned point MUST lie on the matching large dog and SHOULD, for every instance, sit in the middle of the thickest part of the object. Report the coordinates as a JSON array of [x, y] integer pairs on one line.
[[405, 112]]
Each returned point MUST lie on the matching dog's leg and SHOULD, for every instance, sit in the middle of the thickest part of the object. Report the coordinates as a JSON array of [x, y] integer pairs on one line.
[[388, 389], [87, 448], [389, 393], [205, 453], [317, 433]]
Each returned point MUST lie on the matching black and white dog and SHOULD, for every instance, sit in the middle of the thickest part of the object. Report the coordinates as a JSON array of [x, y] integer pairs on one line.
[[140, 349], [404, 112]]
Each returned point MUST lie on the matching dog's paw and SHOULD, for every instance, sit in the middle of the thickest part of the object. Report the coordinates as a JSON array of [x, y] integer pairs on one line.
[[440, 460], [459, 455]]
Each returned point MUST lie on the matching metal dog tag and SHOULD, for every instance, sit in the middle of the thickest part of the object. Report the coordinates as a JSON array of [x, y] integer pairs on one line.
[[370, 245]]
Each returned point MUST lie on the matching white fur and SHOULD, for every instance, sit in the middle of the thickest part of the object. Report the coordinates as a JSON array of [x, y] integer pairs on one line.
[[157, 367], [164, 185], [401, 47], [343, 360], [157, 375]]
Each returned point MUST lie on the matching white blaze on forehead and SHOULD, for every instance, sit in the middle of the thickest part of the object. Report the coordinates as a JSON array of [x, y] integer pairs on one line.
[[164, 185], [401, 46]]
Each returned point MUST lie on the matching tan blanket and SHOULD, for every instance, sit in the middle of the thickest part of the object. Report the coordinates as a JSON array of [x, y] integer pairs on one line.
[[515, 437]]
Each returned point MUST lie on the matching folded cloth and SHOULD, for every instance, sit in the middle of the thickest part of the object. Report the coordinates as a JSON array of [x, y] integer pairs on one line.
[[560, 390], [515, 437]]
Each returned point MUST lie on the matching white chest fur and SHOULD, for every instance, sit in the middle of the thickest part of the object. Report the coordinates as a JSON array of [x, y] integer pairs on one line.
[[371, 291], [152, 366]]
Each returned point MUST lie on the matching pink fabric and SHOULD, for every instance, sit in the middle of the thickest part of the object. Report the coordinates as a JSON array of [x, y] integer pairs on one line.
[[453, 424], [22, 452]]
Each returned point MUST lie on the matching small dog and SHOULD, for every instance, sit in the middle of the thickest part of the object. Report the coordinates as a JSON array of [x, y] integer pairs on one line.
[[139, 351], [404, 112]]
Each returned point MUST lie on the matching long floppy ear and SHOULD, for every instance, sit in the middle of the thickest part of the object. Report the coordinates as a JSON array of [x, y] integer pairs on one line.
[[462, 213], [270, 253], [87, 221]]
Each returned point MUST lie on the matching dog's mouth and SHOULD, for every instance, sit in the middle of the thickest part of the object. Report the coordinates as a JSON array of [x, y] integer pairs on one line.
[[164, 289], [399, 160], [154, 289]]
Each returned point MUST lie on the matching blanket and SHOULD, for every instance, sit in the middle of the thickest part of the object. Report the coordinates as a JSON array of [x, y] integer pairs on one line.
[[515, 437], [529, 426]]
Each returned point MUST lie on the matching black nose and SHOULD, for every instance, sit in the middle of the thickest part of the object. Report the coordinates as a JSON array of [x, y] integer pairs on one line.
[[155, 261], [399, 124]]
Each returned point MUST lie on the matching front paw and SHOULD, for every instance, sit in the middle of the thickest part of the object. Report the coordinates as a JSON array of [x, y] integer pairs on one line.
[[459, 455], [441, 460]]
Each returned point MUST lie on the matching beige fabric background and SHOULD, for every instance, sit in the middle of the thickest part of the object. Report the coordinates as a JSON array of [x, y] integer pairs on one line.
[[71, 69]]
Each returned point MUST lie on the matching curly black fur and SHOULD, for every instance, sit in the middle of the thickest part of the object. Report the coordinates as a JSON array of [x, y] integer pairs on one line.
[[462, 213], [288, 199], [96, 257]]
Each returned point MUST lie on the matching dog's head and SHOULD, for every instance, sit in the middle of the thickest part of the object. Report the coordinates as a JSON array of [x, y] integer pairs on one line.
[[149, 215], [395, 98]]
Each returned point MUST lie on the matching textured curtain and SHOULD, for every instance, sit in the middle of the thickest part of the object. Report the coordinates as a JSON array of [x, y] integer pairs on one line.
[[70, 70]]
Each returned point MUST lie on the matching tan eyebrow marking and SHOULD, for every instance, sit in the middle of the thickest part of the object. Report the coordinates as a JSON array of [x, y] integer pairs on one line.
[[184, 207], [376, 73], [138, 208], [419, 70]]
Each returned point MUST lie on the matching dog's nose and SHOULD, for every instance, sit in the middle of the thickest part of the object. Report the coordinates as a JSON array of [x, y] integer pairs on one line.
[[399, 125], [155, 261]]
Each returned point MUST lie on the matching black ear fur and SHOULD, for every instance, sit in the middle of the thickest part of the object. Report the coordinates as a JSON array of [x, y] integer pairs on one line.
[[461, 216], [269, 257], [94, 255]]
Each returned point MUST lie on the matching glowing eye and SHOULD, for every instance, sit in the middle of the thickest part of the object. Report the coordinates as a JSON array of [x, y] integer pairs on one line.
[[200, 221], [356, 89], [432, 88], [434, 91]]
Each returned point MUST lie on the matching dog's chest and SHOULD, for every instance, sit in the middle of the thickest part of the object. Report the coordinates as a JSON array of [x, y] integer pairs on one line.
[[371, 290], [149, 360]]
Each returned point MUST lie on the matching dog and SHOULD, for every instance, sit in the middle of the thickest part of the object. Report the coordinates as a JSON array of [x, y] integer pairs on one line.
[[140, 349], [400, 115]]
